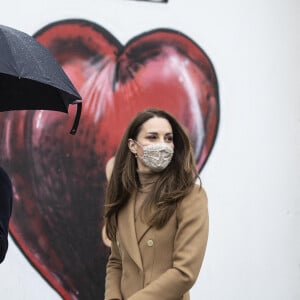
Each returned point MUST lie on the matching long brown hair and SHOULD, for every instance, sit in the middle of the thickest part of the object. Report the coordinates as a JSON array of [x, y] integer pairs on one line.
[[175, 182]]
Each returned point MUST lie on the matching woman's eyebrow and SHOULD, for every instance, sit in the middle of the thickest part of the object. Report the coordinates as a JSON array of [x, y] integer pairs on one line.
[[154, 132]]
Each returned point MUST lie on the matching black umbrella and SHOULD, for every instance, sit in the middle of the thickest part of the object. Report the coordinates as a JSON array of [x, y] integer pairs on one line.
[[31, 78]]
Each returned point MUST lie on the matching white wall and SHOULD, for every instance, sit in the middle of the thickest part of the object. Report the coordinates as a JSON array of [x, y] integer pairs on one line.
[[252, 176]]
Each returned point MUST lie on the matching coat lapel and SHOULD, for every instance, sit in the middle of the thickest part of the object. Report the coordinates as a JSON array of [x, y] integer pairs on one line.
[[127, 231], [141, 229]]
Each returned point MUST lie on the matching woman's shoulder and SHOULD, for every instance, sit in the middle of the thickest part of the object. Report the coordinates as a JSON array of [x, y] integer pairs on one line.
[[194, 204], [196, 197], [109, 167], [198, 191]]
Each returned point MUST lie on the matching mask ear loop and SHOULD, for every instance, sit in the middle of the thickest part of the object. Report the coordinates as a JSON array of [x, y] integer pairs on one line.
[[138, 143]]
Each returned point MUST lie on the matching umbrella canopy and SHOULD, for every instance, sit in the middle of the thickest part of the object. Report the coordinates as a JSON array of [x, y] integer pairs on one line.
[[31, 78]]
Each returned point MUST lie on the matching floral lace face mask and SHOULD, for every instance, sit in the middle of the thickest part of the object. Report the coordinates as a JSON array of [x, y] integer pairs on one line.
[[156, 156]]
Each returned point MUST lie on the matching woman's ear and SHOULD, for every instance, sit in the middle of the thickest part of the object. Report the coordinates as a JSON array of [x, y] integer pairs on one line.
[[132, 146]]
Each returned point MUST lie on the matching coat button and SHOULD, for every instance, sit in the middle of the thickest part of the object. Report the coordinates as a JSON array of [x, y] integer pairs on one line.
[[150, 243]]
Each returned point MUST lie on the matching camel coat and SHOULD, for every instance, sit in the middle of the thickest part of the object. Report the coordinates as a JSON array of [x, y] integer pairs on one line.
[[158, 264]]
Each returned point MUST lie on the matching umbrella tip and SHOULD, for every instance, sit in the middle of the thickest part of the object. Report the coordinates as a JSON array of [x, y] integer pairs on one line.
[[73, 131]]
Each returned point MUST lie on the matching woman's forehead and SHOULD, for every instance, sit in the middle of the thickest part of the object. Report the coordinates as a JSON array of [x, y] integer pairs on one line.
[[157, 125]]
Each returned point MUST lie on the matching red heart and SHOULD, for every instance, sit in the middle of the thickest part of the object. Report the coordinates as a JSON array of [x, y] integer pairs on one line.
[[59, 179]]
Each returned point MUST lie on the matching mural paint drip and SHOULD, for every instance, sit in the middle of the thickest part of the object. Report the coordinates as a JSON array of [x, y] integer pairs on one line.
[[59, 179]]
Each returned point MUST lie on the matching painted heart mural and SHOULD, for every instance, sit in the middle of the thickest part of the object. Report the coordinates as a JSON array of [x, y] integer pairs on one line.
[[59, 179]]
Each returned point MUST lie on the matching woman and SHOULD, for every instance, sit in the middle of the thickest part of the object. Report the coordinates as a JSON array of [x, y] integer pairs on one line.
[[156, 216]]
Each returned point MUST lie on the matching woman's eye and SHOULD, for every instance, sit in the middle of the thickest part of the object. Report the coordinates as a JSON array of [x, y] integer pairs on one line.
[[169, 139], [151, 137]]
